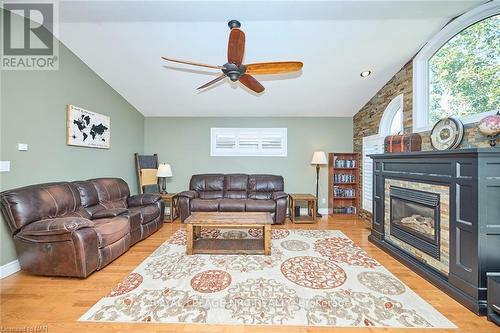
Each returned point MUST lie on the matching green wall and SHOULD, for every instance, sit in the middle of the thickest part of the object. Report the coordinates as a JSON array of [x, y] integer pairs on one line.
[[184, 143], [33, 111]]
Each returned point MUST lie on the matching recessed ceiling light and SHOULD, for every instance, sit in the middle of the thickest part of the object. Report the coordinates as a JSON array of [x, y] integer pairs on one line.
[[365, 73]]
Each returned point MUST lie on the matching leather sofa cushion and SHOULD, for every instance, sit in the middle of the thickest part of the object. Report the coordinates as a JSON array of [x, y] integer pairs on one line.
[[109, 213], [260, 205], [57, 226], [111, 230], [148, 213], [111, 191], [82, 212], [28, 204], [232, 205], [114, 204], [235, 186], [235, 194], [210, 194], [88, 193], [207, 182], [135, 220], [200, 205], [109, 253], [143, 199], [263, 186]]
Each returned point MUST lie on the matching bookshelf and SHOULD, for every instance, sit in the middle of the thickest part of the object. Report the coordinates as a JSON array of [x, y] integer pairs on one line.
[[343, 183]]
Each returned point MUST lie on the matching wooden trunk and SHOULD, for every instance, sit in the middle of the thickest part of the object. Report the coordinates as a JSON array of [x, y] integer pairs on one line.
[[402, 143]]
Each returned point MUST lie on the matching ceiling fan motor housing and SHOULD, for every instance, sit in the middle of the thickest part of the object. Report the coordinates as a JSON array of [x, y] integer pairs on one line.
[[234, 24], [233, 71]]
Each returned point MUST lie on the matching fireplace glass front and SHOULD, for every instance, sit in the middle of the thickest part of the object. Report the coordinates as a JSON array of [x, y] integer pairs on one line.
[[415, 218]]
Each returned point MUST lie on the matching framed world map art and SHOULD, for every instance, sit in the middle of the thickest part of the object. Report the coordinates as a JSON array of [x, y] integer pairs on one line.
[[86, 128]]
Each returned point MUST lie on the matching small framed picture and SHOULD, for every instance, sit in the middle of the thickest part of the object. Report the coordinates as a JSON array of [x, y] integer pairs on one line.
[[86, 128]]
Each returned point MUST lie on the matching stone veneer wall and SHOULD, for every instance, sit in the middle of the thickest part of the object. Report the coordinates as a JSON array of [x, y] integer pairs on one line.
[[366, 121]]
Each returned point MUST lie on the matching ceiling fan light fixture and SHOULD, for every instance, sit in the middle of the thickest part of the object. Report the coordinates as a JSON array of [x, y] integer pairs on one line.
[[365, 73]]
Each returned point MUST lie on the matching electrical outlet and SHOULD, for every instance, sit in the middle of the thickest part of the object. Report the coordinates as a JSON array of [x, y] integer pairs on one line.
[[4, 166], [323, 200]]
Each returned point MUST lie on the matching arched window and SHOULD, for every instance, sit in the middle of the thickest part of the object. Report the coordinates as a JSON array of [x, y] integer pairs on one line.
[[456, 72], [392, 119], [391, 123]]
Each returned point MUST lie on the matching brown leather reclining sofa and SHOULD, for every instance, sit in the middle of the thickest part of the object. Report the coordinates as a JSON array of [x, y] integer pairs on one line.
[[76, 228], [235, 193]]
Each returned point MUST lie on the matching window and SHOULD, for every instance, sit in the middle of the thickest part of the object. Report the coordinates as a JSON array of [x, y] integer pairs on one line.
[[371, 145], [248, 142], [456, 73], [392, 119], [391, 123]]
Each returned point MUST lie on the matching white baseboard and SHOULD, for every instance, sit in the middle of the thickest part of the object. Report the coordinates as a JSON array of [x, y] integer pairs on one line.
[[9, 269], [323, 211]]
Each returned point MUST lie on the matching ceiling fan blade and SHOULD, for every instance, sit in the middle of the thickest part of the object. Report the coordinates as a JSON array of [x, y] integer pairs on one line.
[[251, 83], [236, 46], [274, 67], [192, 63], [217, 79]]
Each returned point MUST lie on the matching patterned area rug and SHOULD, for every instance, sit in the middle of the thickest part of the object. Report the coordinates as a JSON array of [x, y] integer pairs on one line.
[[312, 278]]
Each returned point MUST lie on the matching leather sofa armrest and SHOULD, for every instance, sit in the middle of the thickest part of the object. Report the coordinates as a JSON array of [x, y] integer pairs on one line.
[[56, 226], [188, 194], [114, 212], [143, 199], [279, 195]]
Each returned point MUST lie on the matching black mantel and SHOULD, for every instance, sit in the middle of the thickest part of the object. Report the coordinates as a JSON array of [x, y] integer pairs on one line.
[[473, 176]]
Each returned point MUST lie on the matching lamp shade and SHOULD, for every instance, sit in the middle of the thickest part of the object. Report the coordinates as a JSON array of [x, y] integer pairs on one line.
[[164, 170], [319, 158]]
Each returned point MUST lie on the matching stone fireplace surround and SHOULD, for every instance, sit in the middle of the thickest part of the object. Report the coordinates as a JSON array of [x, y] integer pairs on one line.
[[441, 264], [470, 179]]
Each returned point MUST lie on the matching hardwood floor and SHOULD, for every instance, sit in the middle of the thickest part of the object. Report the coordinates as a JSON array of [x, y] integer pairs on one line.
[[55, 304]]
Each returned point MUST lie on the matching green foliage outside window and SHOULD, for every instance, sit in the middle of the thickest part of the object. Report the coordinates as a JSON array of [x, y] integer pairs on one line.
[[464, 74]]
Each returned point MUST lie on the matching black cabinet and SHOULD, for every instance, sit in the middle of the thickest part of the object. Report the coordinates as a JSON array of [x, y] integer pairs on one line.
[[473, 179]]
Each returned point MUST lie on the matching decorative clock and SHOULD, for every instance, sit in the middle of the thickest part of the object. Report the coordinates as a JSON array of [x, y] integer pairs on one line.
[[447, 134]]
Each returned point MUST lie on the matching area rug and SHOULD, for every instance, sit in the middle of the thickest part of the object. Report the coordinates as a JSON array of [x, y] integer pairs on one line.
[[312, 278]]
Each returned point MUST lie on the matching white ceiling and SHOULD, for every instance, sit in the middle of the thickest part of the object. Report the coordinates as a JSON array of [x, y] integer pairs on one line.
[[122, 41]]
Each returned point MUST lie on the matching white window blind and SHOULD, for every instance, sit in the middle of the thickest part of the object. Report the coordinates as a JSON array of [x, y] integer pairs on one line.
[[371, 145], [248, 142]]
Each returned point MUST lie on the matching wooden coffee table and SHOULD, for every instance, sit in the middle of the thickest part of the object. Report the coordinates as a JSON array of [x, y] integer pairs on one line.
[[221, 220]]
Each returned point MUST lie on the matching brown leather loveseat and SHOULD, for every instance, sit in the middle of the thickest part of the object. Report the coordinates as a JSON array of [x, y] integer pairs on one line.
[[235, 193], [76, 228]]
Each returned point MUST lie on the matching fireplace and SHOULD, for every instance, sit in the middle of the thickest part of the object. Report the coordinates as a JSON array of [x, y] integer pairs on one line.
[[414, 218]]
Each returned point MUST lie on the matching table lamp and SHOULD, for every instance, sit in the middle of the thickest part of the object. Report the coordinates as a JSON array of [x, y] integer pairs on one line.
[[318, 159], [164, 171]]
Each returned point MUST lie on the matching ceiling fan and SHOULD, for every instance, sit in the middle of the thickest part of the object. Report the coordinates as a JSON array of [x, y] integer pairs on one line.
[[235, 70]]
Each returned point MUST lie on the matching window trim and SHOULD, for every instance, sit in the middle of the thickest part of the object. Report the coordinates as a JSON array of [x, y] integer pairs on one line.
[[421, 64], [384, 129], [259, 152]]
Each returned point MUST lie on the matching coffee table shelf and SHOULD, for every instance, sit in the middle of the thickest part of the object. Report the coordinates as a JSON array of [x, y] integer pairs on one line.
[[223, 220]]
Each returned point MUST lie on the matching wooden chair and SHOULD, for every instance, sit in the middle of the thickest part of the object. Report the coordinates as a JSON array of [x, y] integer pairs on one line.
[[146, 167]]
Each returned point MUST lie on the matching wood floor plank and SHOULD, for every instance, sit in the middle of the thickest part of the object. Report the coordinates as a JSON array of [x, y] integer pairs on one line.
[[32, 301]]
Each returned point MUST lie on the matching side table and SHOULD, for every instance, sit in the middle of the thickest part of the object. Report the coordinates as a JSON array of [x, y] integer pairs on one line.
[[172, 200], [311, 200]]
